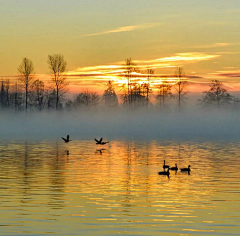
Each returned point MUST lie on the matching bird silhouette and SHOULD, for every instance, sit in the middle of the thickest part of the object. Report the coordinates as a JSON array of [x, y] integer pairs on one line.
[[164, 172], [174, 167], [66, 140], [186, 169], [165, 166], [100, 142]]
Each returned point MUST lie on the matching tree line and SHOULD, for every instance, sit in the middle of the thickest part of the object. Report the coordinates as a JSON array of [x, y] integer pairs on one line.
[[28, 93]]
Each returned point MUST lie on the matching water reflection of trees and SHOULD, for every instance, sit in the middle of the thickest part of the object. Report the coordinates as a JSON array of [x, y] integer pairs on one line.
[[126, 172], [57, 170], [36, 170]]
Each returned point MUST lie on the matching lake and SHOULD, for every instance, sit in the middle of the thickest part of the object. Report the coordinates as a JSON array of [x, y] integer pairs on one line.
[[79, 188]]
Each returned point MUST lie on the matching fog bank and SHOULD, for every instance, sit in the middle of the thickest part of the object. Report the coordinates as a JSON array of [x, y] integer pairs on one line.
[[191, 124]]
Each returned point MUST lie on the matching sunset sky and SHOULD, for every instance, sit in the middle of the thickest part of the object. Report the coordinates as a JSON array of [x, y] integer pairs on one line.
[[97, 36]]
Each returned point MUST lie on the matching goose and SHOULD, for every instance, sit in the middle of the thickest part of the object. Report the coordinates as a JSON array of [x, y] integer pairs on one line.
[[66, 140], [164, 172], [165, 166], [186, 169], [174, 167], [100, 142]]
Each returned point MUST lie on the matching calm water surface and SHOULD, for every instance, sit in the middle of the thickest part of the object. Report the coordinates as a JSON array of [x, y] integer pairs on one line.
[[117, 190]]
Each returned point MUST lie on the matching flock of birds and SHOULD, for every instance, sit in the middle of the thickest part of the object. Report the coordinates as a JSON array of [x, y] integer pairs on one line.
[[164, 172], [98, 142], [175, 168]]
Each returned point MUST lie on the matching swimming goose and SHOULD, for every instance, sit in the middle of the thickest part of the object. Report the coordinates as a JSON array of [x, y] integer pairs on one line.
[[174, 167], [100, 141], [66, 140], [186, 169], [165, 166], [164, 172]]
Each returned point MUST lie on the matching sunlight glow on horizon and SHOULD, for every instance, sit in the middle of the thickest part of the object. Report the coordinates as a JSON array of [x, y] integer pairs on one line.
[[116, 72], [94, 36]]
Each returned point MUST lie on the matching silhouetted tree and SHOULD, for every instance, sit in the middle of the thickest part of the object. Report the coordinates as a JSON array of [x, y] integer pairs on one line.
[[130, 68], [7, 87], [181, 85], [138, 94], [57, 66], [217, 95], [51, 99], [164, 93], [85, 99], [150, 72], [16, 97], [124, 96], [109, 96], [2, 96], [26, 77], [38, 94]]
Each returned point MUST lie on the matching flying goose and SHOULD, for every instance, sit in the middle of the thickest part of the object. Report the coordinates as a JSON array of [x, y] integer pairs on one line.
[[66, 140], [100, 142]]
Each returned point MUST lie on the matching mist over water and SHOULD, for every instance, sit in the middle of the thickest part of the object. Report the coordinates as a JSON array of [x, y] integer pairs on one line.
[[135, 124]]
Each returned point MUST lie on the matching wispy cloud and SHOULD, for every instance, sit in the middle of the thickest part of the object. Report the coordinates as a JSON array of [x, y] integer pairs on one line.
[[125, 29], [181, 57], [228, 74], [115, 72], [217, 45]]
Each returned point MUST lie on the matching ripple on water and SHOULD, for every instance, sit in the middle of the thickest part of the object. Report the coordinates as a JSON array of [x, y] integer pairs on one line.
[[46, 190]]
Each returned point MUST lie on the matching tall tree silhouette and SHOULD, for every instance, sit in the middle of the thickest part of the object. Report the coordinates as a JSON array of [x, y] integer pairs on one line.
[[26, 77], [129, 68], [181, 85], [150, 73], [57, 66]]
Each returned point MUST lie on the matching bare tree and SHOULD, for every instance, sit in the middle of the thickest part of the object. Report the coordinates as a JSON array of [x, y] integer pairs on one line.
[[130, 67], [150, 72], [181, 85], [57, 66], [26, 77], [217, 95], [7, 87], [85, 99], [38, 94], [16, 97], [164, 92], [2, 95]]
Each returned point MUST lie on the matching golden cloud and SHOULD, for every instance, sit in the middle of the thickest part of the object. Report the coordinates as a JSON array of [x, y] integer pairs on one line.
[[125, 29]]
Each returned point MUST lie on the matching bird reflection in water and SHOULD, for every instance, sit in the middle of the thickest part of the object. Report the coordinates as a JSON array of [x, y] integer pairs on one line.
[[100, 151]]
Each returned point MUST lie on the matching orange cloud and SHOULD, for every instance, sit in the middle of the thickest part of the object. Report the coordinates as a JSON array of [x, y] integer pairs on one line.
[[100, 74], [126, 29], [165, 62]]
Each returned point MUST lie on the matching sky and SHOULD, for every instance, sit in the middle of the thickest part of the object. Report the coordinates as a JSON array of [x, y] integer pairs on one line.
[[97, 36]]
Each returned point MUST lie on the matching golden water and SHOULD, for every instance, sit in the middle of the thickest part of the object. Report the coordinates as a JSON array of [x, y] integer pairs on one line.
[[116, 190]]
